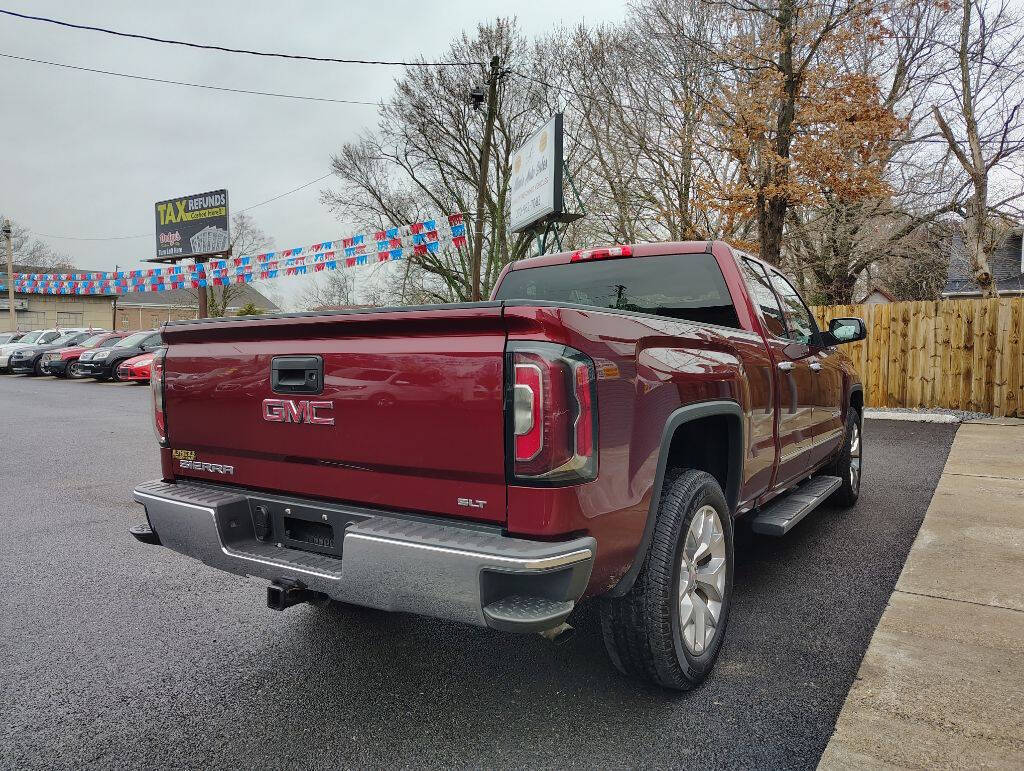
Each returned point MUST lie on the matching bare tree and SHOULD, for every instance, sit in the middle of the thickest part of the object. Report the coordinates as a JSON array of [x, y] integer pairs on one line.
[[835, 242], [33, 253], [633, 121], [328, 288], [981, 120], [423, 159]]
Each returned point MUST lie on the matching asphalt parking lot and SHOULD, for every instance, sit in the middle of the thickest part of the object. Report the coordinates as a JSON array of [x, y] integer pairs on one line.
[[120, 655]]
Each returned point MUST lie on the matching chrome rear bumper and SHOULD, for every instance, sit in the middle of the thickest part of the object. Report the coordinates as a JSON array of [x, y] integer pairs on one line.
[[470, 573]]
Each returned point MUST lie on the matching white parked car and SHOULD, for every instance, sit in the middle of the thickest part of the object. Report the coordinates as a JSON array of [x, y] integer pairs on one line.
[[35, 337]]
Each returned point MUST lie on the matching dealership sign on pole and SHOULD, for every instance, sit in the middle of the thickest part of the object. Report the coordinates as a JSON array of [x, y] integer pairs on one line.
[[536, 189], [192, 226]]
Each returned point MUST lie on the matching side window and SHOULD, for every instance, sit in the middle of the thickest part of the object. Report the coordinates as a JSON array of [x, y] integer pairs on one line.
[[798, 319], [762, 294], [109, 342], [152, 343]]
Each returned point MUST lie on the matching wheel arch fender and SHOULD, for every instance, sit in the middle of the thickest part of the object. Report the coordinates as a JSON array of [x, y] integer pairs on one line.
[[855, 396], [733, 415]]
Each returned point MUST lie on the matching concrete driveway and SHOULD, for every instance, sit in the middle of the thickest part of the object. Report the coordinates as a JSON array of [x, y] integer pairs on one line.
[[942, 684]]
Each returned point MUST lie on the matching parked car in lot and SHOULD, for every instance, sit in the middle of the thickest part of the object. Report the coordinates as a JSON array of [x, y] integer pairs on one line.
[[35, 337], [28, 360], [135, 369], [10, 337], [102, 364], [63, 362], [596, 428]]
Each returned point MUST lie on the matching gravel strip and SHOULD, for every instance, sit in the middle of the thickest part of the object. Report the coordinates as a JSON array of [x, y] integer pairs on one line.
[[927, 415]]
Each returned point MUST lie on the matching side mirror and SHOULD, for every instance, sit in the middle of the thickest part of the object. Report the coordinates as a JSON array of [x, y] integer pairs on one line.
[[846, 330]]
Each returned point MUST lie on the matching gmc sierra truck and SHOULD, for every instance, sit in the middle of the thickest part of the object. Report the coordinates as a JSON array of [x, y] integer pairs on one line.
[[591, 431]]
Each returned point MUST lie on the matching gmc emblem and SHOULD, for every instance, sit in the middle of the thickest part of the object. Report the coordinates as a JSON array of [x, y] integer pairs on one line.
[[288, 411]]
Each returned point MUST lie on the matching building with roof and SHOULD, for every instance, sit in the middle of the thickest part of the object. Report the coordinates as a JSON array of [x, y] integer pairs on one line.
[[134, 310], [1007, 264], [877, 295], [147, 310]]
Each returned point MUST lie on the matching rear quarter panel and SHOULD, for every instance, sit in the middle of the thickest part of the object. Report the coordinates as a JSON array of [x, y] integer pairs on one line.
[[647, 368]]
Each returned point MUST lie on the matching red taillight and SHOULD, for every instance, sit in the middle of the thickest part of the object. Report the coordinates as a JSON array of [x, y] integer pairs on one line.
[[156, 382], [553, 419], [601, 254]]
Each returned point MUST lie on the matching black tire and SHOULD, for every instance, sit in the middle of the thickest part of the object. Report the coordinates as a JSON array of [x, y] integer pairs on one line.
[[37, 368], [842, 466], [73, 371], [113, 375], [641, 630]]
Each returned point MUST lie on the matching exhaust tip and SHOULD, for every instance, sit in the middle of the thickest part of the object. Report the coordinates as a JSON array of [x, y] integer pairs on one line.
[[559, 634]]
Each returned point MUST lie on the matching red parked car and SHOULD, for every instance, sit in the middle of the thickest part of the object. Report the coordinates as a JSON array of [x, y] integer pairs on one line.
[[135, 369], [63, 362], [592, 431]]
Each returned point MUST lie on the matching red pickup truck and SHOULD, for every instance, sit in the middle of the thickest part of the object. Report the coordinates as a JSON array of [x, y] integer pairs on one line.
[[592, 431]]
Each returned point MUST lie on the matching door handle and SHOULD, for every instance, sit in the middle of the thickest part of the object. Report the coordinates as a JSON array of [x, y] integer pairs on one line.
[[785, 366], [816, 366]]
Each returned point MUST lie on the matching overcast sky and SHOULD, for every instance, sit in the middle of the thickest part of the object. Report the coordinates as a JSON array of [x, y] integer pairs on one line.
[[87, 155]]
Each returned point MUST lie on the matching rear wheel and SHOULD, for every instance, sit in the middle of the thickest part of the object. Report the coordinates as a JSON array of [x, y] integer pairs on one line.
[[669, 627], [37, 369], [848, 465]]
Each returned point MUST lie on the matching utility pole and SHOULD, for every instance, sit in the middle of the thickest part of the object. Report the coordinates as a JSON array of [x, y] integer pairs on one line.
[[113, 315], [485, 162], [203, 307], [10, 275]]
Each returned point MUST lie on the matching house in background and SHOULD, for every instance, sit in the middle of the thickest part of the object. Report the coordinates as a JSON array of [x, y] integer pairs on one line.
[[148, 310], [877, 295], [1007, 265]]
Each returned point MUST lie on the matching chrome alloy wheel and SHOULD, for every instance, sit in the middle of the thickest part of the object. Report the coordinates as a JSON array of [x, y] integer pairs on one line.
[[702, 578], [855, 457]]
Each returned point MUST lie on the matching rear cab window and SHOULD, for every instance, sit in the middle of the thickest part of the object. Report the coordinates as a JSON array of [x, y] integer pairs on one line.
[[688, 287]]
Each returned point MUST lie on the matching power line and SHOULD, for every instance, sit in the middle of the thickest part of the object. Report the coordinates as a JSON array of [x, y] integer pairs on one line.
[[226, 49], [282, 195], [150, 235], [87, 238], [183, 83]]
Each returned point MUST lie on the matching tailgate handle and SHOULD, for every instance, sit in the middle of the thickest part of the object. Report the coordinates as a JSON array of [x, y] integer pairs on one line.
[[297, 374]]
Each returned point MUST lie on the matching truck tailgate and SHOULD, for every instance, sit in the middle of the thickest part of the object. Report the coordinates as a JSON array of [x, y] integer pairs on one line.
[[411, 414]]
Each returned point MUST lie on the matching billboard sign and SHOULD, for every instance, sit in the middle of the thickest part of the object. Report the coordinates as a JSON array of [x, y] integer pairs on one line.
[[193, 225], [536, 189]]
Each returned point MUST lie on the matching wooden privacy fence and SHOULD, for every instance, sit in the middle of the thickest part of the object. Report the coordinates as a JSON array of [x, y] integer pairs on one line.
[[959, 354]]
